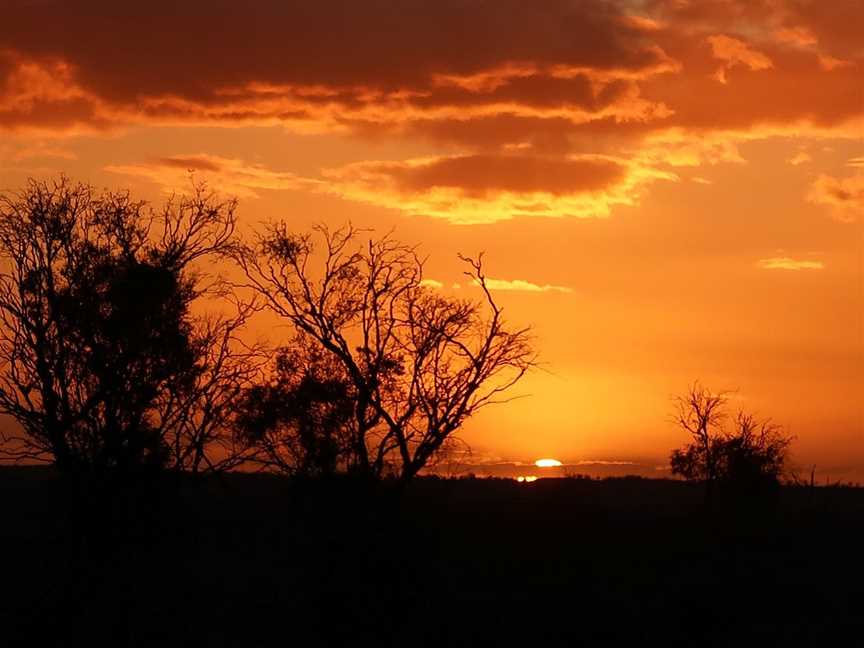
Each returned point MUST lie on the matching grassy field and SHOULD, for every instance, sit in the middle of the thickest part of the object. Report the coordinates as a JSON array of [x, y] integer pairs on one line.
[[255, 560]]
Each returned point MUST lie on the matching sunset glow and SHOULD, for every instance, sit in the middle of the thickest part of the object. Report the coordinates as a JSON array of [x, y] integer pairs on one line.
[[547, 463], [663, 191]]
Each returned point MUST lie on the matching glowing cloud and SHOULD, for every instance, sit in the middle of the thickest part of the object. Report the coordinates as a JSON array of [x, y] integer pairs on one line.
[[518, 285], [465, 189], [801, 157], [487, 188], [609, 70], [233, 176], [736, 52], [845, 196], [786, 263], [678, 148], [515, 285], [799, 36]]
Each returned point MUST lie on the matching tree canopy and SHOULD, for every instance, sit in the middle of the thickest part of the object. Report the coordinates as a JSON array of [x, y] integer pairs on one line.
[[97, 342]]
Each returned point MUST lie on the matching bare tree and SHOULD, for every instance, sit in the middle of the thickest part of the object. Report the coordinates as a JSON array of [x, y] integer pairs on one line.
[[700, 413], [418, 363], [95, 328], [196, 416], [751, 455]]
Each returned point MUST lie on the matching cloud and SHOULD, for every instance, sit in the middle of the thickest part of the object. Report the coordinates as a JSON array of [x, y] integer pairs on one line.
[[602, 462], [232, 176], [829, 63], [565, 110], [520, 285], [800, 36], [844, 196], [678, 149], [43, 96], [803, 38], [511, 285], [733, 52], [473, 189], [327, 62], [794, 97], [786, 263], [481, 175], [516, 73], [801, 157], [462, 189], [35, 150], [832, 24], [305, 43]]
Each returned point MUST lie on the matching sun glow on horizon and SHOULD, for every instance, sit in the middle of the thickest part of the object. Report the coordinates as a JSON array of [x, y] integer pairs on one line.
[[547, 463]]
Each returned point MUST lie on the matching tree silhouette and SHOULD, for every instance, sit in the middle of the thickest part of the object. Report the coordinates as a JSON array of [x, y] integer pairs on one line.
[[198, 415], [301, 421], [755, 454], [417, 363], [95, 328], [700, 413], [751, 457]]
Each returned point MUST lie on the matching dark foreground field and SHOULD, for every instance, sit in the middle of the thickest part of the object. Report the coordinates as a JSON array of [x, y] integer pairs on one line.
[[251, 560]]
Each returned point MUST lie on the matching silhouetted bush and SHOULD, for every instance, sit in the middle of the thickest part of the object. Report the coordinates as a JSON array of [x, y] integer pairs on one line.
[[750, 459], [300, 423]]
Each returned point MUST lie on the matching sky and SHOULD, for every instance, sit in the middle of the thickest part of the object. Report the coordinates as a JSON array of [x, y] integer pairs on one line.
[[666, 191]]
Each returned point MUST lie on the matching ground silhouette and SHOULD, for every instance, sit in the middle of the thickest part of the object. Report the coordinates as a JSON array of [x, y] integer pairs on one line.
[[258, 560]]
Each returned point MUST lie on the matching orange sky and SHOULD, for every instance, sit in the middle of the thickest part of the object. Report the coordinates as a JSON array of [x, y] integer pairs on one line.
[[667, 190]]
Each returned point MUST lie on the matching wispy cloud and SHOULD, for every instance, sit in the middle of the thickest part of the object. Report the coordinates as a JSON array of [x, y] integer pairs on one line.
[[845, 196], [520, 285], [464, 189], [732, 52], [801, 157], [234, 176], [787, 263], [16, 155], [602, 462], [512, 285]]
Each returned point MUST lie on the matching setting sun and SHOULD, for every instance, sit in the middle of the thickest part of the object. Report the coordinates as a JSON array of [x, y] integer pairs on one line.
[[547, 463]]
